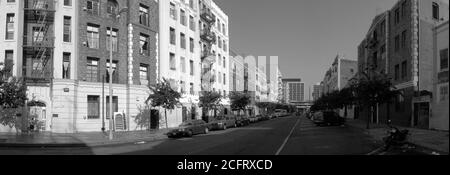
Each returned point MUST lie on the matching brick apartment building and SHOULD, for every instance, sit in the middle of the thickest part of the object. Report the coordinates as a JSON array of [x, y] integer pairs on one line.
[[64, 56], [403, 48]]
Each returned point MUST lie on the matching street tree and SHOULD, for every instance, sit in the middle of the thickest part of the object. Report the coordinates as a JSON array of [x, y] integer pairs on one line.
[[210, 100], [163, 95], [239, 100], [370, 90], [12, 97]]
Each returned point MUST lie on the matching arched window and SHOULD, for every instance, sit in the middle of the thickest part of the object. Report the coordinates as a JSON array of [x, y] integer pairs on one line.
[[112, 6]]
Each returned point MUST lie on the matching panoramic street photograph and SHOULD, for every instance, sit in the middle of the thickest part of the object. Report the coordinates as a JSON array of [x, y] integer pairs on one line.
[[224, 78]]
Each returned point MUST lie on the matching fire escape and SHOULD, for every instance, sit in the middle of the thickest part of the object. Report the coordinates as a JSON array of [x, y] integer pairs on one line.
[[38, 41], [208, 38]]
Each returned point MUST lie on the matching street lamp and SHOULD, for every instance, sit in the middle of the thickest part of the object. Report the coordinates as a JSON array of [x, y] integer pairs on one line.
[[116, 17]]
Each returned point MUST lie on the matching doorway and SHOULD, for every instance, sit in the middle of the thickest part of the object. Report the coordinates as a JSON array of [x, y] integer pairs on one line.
[[421, 115], [154, 119]]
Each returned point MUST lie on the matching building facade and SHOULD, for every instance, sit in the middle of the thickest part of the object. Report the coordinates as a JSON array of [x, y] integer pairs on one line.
[[317, 91], [338, 75], [61, 48], [294, 90], [439, 117], [180, 56], [214, 50], [236, 69], [409, 63]]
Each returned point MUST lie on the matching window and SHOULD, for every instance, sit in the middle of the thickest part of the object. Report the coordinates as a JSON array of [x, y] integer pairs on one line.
[[444, 59], [10, 26], [191, 67], [93, 36], [435, 11], [220, 42], [183, 40], [224, 46], [191, 89], [115, 105], [183, 18], [397, 16], [397, 71], [143, 15], [383, 28], [443, 93], [173, 11], [144, 46], [191, 45], [11, 1], [404, 69], [183, 64], [223, 29], [67, 29], [114, 39], [220, 77], [93, 107], [115, 74], [143, 74], [220, 59], [173, 37], [397, 43], [182, 87], [375, 59], [404, 9], [224, 62], [67, 2], [400, 102], [9, 61], [224, 79], [92, 69], [218, 25], [192, 23], [404, 35], [111, 7], [93, 7], [66, 65], [191, 4], [172, 62]]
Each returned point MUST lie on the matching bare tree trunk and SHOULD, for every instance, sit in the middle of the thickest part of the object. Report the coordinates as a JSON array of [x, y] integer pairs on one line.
[[370, 112], [165, 115]]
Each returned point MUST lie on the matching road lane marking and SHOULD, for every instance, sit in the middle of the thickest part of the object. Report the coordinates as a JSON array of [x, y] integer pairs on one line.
[[287, 138]]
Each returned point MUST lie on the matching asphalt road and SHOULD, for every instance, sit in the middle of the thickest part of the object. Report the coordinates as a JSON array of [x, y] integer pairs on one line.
[[281, 136]]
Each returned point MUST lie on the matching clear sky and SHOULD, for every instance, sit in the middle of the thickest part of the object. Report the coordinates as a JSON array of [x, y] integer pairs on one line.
[[305, 34]]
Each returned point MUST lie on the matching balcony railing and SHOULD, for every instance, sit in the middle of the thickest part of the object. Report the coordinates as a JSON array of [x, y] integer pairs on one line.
[[208, 36], [207, 15], [46, 5], [30, 41]]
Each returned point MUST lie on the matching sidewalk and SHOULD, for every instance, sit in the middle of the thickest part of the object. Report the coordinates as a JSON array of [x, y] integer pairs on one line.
[[430, 139], [89, 139]]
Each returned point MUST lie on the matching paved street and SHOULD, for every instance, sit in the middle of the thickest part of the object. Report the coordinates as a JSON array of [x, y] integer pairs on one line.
[[283, 136]]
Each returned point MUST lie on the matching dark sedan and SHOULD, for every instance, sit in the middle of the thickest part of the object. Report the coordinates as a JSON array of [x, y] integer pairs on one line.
[[189, 128], [328, 118], [242, 121]]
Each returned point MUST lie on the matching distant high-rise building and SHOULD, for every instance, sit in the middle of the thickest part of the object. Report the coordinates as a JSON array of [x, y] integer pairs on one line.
[[294, 90], [317, 91]]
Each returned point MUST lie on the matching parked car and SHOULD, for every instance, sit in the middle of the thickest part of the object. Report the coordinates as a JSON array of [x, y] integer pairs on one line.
[[242, 121], [189, 128], [253, 119], [263, 117], [223, 122], [281, 113], [327, 118]]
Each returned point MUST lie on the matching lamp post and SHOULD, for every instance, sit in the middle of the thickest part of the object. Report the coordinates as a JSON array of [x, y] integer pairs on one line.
[[115, 17]]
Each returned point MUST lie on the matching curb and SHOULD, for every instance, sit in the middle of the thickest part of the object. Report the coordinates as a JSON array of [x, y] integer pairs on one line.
[[80, 145]]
